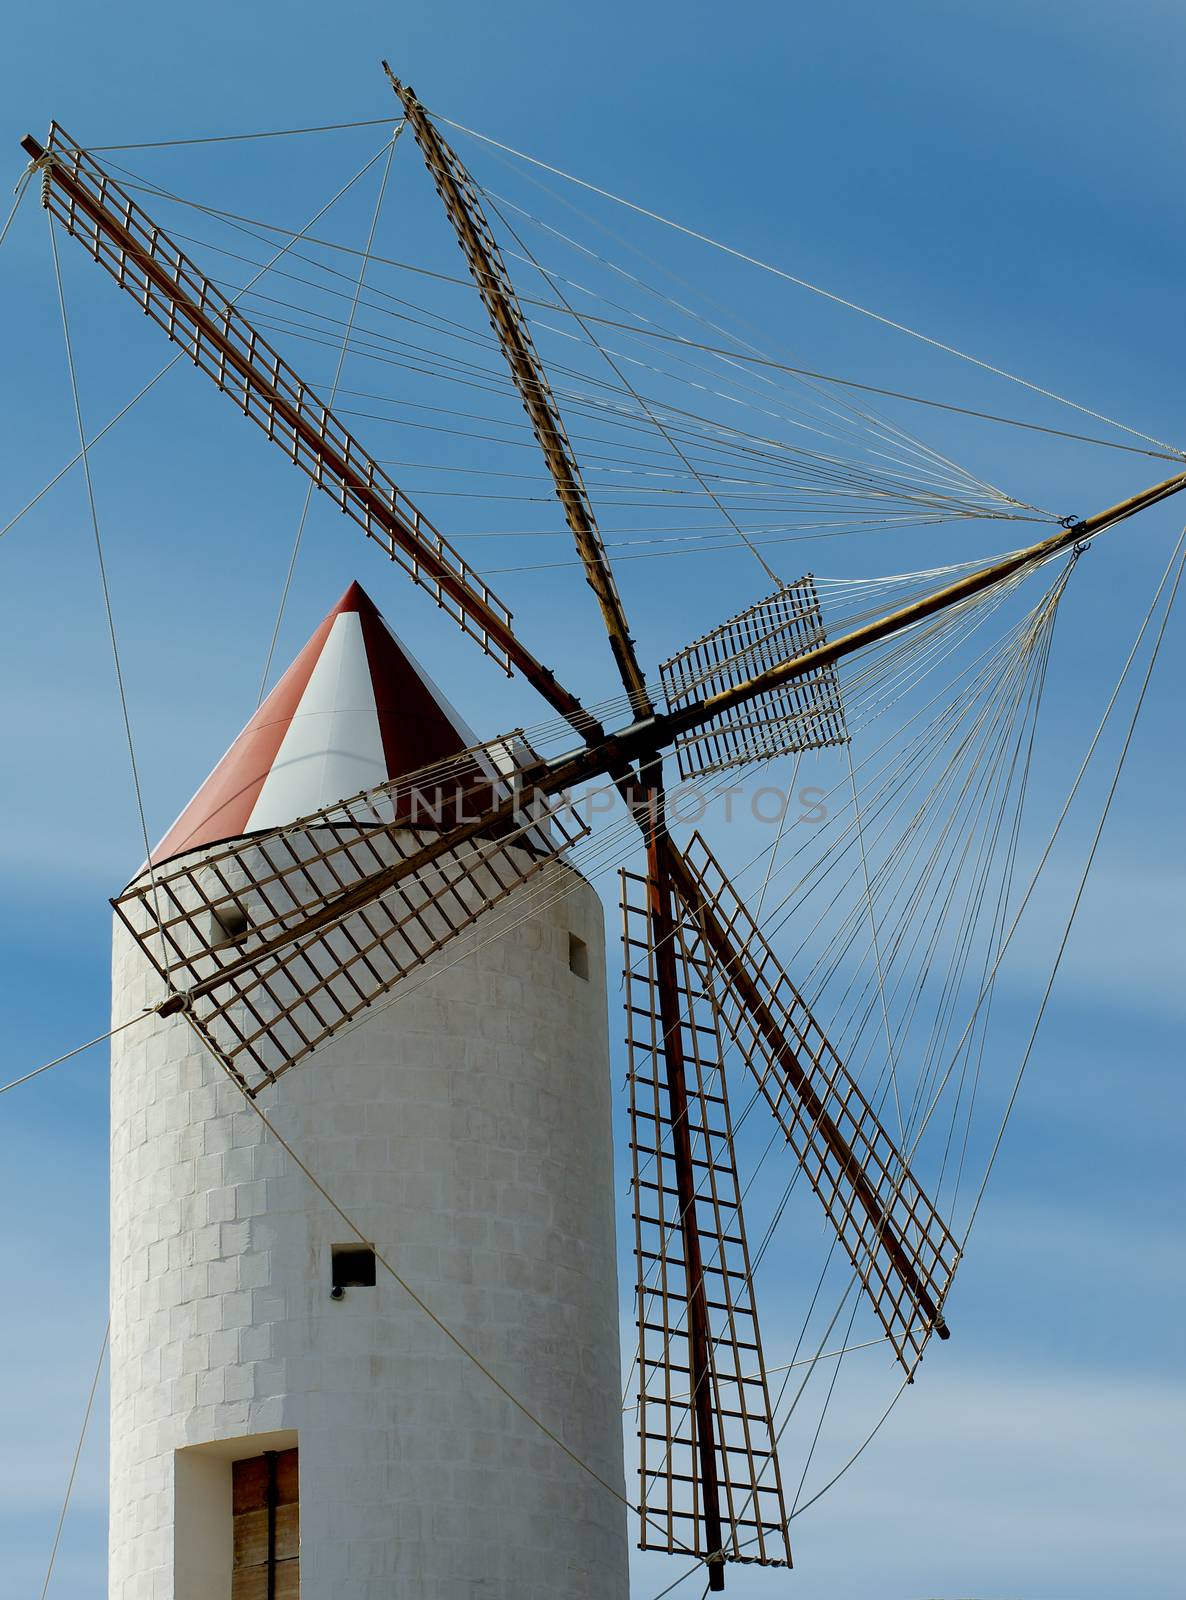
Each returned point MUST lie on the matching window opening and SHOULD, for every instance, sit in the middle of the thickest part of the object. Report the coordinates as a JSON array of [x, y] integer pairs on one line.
[[352, 1267], [228, 922], [578, 956]]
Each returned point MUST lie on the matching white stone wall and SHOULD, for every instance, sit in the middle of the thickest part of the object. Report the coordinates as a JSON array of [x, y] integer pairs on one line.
[[467, 1129]]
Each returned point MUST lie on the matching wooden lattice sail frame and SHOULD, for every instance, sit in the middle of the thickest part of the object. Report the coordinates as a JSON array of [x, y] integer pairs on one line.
[[693, 1266], [806, 714], [709, 1478], [902, 1250], [272, 944]]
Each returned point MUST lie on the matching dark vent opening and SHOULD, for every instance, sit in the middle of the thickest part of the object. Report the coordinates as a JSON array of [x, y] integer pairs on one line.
[[578, 956], [230, 922], [353, 1266]]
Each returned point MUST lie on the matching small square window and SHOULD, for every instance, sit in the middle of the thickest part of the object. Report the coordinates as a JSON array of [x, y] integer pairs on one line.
[[578, 956], [353, 1266]]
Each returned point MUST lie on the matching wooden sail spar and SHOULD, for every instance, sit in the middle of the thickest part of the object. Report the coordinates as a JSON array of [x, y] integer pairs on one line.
[[476, 238]]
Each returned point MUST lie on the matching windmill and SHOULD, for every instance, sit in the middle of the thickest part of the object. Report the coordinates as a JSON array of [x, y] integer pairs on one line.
[[354, 906]]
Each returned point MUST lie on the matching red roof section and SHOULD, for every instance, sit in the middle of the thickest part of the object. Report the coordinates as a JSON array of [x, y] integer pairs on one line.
[[353, 709]]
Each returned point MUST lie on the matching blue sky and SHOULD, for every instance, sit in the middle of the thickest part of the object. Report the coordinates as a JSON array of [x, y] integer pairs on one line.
[[1004, 177]]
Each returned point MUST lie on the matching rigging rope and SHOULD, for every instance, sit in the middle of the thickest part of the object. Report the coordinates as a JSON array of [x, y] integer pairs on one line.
[[895, 431], [1165, 451], [889, 1043], [746, 350], [683, 1577], [798, 1510], [173, 360], [765, 1243], [70, 1054], [804, 283], [21, 186], [857, 1453], [753, 358], [86, 1417], [378, 347], [270, 133], [94, 516], [630, 389], [1082, 881], [309, 491], [1063, 813], [823, 1414]]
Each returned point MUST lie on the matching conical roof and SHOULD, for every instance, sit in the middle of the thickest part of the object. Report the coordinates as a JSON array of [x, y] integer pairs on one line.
[[355, 709]]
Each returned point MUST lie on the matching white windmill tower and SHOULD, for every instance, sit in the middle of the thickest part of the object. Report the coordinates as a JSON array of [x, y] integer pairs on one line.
[[263, 1375]]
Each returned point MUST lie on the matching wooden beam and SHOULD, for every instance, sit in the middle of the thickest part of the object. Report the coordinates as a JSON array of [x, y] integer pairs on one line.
[[458, 191], [659, 900]]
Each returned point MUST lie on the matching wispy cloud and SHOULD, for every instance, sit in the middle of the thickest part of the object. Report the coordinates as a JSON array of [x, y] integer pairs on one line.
[[993, 1481]]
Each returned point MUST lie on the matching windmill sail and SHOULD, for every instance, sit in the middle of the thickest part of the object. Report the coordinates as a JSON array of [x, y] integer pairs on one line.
[[274, 943], [209, 328], [904, 1253], [803, 714], [746, 1492]]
